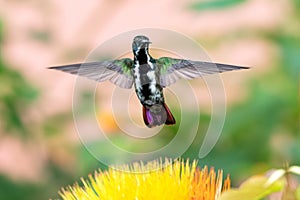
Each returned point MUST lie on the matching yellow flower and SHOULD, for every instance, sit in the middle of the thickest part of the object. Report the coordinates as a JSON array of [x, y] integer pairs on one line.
[[155, 180]]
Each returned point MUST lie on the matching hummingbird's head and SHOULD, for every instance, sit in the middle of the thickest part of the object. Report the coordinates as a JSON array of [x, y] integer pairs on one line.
[[140, 42]]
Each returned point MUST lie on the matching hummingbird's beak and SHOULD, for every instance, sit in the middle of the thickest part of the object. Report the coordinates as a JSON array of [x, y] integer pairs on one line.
[[147, 42]]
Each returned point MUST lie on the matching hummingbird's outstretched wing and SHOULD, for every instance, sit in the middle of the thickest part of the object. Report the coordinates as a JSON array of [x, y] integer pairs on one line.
[[172, 69], [116, 71]]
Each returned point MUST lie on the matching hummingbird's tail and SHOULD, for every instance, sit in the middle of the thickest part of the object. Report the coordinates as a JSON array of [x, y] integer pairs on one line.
[[158, 114]]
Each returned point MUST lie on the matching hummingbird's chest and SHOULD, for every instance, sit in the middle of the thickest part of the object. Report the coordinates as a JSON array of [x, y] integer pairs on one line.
[[146, 83]]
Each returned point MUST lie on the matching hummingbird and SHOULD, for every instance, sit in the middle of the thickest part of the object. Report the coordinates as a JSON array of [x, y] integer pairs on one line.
[[148, 75]]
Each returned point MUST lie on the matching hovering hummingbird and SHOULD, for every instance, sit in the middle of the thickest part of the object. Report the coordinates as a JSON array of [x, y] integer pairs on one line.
[[148, 75]]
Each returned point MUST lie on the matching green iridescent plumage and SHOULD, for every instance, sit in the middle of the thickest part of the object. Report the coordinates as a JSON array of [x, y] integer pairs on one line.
[[165, 63], [125, 65]]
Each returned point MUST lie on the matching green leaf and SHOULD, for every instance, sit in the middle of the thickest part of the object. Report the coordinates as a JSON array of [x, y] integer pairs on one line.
[[215, 4], [252, 189]]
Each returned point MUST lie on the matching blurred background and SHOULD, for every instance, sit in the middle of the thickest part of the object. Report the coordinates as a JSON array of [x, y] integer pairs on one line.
[[40, 151]]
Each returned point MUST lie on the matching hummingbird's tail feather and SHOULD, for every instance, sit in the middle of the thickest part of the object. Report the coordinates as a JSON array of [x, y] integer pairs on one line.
[[157, 115], [170, 118]]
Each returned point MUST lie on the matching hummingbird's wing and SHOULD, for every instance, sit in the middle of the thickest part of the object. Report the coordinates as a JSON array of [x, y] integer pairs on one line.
[[172, 69], [116, 71]]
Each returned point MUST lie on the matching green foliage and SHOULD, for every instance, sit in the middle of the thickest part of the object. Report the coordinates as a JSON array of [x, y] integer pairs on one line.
[[17, 97], [16, 93], [88, 163], [297, 3], [42, 189], [254, 188], [215, 4], [290, 48], [54, 124], [14, 190]]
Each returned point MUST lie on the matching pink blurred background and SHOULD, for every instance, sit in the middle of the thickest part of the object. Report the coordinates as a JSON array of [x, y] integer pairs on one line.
[[68, 31]]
